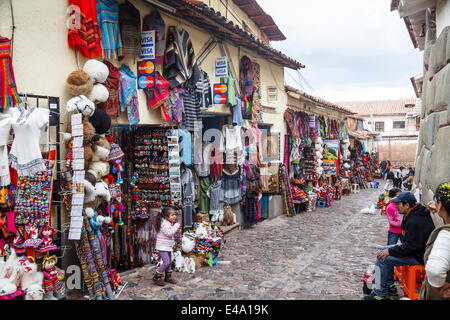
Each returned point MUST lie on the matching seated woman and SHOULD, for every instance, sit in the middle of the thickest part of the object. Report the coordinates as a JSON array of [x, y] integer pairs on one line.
[[437, 253]]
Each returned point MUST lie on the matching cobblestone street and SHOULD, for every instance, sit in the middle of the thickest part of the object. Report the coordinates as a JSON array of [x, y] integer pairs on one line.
[[315, 255]]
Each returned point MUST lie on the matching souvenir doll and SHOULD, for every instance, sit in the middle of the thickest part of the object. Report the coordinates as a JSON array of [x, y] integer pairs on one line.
[[53, 285], [33, 240], [47, 234]]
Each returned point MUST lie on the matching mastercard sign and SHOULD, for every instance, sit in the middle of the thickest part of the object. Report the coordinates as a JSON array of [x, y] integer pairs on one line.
[[146, 74], [220, 93]]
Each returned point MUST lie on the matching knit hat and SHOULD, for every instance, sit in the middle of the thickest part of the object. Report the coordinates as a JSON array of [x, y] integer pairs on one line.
[[82, 105], [98, 94], [79, 83], [101, 121], [115, 153]]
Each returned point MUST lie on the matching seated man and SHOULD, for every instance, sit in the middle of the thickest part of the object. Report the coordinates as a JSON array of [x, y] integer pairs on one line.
[[417, 226]]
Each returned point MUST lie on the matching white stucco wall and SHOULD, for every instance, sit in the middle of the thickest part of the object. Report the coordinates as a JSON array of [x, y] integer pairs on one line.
[[442, 15]]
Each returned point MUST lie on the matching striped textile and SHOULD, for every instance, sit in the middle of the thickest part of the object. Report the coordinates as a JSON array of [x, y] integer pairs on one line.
[[8, 89], [191, 109], [108, 20], [85, 39]]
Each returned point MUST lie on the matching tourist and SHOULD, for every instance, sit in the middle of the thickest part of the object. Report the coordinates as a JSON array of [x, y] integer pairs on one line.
[[382, 168], [398, 177], [416, 228], [437, 253], [394, 218], [166, 226], [407, 184], [389, 180]]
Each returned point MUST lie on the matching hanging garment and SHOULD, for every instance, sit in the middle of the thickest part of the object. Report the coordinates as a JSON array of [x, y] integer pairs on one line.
[[289, 206], [111, 106], [185, 147], [130, 30], [232, 96], [231, 186], [203, 168], [203, 91], [264, 204], [246, 77], [25, 155], [108, 20], [157, 96], [85, 37], [188, 187], [203, 199], [191, 109], [128, 94], [5, 128], [250, 209], [154, 21], [180, 57], [233, 139], [8, 89], [174, 105], [257, 110], [216, 199], [236, 111]]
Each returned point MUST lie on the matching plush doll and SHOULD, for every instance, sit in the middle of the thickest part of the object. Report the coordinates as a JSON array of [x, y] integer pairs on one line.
[[189, 265], [101, 147], [100, 169], [96, 221], [97, 70], [82, 105], [79, 83], [47, 234], [53, 285], [8, 275], [102, 191], [32, 285], [179, 261], [33, 240]]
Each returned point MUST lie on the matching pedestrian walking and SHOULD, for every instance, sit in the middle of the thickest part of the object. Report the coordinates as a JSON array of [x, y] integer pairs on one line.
[[437, 253], [398, 177], [167, 227], [382, 168]]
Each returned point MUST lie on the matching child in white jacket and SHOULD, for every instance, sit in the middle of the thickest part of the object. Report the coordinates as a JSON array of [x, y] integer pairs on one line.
[[167, 227]]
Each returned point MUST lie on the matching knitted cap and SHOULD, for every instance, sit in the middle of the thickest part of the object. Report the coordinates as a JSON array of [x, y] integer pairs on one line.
[[115, 153], [101, 121]]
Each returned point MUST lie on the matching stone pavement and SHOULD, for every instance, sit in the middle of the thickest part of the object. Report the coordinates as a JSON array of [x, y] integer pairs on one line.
[[315, 255]]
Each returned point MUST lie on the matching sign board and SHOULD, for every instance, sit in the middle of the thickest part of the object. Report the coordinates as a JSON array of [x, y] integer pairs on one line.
[[220, 93], [146, 74], [148, 45], [272, 94], [221, 67]]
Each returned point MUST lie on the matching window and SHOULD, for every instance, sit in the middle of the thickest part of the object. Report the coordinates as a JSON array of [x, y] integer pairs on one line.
[[379, 126], [399, 125]]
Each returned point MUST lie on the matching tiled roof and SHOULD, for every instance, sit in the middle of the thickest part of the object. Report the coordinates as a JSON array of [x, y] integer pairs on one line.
[[203, 16], [380, 107], [261, 19], [317, 100]]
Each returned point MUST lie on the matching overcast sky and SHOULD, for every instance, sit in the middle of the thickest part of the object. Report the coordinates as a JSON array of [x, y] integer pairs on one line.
[[352, 49]]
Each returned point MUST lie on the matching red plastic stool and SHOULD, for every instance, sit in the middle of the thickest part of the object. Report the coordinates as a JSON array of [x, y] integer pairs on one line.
[[411, 281], [398, 272]]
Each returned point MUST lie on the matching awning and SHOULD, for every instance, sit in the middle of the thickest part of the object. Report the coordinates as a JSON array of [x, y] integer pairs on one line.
[[201, 15]]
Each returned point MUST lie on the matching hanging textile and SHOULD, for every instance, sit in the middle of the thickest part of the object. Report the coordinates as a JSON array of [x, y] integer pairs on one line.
[[8, 89], [180, 57], [154, 21], [85, 37], [231, 184], [287, 195], [203, 91], [251, 209], [108, 20], [128, 94], [130, 29], [257, 110], [204, 200], [111, 106]]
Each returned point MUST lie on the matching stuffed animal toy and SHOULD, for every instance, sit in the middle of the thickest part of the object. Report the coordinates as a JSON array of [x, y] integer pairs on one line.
[[227, 215], [189, 265], [179, 262], [79, 83], [100, 169], [187, 243], [95, 220], [81, 104], [102, 191], [101, 147], [97, 71], [8, 274], [98, 94], [53, 285], [32, 284], [201, 232]]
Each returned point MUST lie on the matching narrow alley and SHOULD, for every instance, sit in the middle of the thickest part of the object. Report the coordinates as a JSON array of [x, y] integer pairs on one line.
[[314, 255]]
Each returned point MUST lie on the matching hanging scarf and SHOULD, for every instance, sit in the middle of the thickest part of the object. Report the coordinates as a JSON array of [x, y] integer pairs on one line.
[[86, 38], [111, 106], [8, 89], [128, 94], [108, 20]]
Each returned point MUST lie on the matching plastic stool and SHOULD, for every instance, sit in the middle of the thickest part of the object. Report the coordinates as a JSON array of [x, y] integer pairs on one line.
[[411, 281], [398, 272], [321, 203]]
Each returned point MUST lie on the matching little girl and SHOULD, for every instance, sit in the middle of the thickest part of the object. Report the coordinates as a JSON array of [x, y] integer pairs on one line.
[[166, 228]]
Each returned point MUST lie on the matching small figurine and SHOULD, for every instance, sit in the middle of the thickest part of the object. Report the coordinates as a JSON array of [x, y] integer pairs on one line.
[[33, 240], [47, 240], [53, 285]]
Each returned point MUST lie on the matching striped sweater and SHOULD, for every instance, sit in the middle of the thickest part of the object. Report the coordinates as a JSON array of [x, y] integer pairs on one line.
[[165, 237]]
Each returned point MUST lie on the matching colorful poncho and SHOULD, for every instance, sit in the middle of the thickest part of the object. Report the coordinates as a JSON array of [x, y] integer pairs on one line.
[[84, 33], [8, 89], [108, 20], [128, 94]]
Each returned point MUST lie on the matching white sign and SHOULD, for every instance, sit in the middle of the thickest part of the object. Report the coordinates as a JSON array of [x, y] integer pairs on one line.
[[221, 67], [148, 45]]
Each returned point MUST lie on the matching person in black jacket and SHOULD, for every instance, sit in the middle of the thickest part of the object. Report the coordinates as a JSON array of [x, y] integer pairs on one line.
[[417, 226]]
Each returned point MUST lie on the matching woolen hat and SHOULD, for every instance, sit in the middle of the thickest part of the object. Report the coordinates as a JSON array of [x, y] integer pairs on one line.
[[79, 83], [115, 153], [101, 121]]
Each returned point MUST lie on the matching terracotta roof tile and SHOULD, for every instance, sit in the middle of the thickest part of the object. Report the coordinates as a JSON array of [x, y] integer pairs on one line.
[[381, 107]]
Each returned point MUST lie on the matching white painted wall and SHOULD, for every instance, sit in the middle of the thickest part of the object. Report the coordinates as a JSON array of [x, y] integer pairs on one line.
[[389, 130], [442, 15]]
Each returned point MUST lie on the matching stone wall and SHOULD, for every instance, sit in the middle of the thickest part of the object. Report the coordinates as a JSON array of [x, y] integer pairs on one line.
[[433, 153]]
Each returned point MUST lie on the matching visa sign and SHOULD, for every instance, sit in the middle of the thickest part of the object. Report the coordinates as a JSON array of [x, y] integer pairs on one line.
[[148, 45], [221, 67]]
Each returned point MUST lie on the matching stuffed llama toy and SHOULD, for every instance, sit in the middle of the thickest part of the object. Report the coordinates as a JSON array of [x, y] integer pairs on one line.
[[189, 265]]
